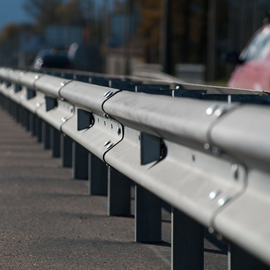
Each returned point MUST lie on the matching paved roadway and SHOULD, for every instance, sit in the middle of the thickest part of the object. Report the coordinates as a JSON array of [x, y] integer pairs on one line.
[[48, 221]]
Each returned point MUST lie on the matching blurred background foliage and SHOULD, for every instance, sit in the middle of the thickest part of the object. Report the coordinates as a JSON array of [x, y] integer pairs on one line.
[[127, 34]]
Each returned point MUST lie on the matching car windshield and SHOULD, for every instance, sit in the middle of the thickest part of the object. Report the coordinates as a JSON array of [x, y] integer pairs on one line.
[[258, 47]]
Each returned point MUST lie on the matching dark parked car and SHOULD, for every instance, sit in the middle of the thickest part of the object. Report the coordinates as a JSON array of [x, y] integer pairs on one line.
[[253, 65], [51, 59]]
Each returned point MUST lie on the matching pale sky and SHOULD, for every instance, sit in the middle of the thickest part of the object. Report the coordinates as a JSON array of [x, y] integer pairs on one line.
[[11, 11]]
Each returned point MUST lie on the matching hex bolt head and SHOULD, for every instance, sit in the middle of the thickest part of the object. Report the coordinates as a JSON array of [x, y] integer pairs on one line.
[[63, 83], [220, 112], [38, 105], [108, 94], [37, 77], [223, 201], [216, 150], [106, 143], [206, 146], [209, 111], [110, 146], [219, 237], [213, 194]]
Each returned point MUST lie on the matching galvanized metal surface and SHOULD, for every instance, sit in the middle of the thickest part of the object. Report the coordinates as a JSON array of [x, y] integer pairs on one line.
[[214, 156]]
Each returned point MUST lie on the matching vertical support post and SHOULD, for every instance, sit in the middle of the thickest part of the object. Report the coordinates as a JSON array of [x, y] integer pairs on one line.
[[38, 127], [20, 114], [12, 108], [147, 216], [9, 105], [27, 124], [32, 123], [240, 259], [118, 194], [97, 176], [66, 151], [187, 242], [55, 142], [46, 135], [79, 161], [17, 112], [25, 118]]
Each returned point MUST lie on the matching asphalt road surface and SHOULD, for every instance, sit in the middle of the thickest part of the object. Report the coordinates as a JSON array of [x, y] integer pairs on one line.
[[48, 220]]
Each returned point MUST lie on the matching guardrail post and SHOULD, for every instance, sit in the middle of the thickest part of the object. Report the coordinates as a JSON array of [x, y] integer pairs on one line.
[[97, 176], [187, 250], [38, 127], [20, 109], [32, 123], [13, 109], [46, 135], [79, 161], [17, 112], [66, 151], [8, 106], [147, 216], [26, 119], [6, 103], [23, 117], [240, 259], [118, 194], [55, 142]]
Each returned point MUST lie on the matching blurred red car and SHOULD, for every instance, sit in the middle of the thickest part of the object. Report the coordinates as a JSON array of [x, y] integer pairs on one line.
[[253, 65]]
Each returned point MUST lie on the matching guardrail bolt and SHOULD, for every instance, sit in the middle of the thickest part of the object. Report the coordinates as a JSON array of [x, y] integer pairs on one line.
[[38, 105], [108, 94], [110, 146], [108, 142], [214, 194], [216, 150], [211, 109], [206, 146], [63, 83], [37, 77], [222, 201], [220, 111]]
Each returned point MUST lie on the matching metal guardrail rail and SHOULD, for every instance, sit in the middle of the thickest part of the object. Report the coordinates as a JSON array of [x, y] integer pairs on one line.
[[206, 152]]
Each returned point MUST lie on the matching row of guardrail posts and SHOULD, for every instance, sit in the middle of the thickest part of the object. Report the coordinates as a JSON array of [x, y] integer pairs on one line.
[[104, 180], [187, 246]]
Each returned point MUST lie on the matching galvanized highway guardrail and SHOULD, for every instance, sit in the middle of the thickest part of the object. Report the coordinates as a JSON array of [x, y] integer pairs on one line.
[[204, 150]]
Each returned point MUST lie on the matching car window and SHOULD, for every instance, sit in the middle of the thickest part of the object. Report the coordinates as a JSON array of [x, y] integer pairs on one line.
[[265, 47], [254, 49]]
